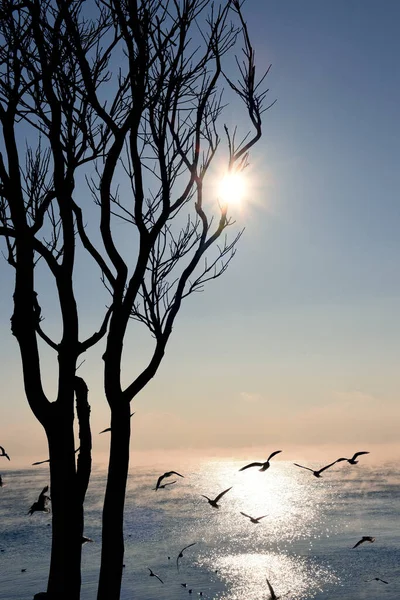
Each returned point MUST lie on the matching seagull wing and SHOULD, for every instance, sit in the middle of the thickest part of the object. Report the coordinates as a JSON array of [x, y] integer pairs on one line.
[[273, 454], [327, 467], [222, 494], [43, 492], [271, 590], [40, 462], [159, 578], [358, 454], [159, 480], [301, 467], [263, 517], [104, 430], [169, 483], [383, 581], [188, 546], [172, 473], [358, 543], [244, 514], [254, 464]]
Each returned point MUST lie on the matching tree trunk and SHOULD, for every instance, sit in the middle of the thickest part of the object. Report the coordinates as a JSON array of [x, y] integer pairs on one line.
[[112, 554], [65, 566]]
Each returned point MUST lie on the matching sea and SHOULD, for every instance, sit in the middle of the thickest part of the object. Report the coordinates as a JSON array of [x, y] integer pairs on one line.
[[303, 546]]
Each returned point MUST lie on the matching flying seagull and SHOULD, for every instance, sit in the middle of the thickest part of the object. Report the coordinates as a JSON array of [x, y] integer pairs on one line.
[[377, 579], [109, 428], [40, 505], [4, 453], [353, 460], [167, 474], [180, 555], [365, 538], [152, 574], [316, 473], [264, 465], [213, 503], [253, 519]]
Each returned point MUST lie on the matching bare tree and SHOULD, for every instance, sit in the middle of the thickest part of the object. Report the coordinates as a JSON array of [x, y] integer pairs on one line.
[[144, 135]]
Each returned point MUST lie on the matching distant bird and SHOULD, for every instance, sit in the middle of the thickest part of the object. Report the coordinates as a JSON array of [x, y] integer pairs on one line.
[[152, 574], [377, 579], [4, 453], [23, 570], [109, 428], [164, 485], [264, 465], [365, 538], [85, 540], [40, 505], [253, 519], [316, 473], [353, 460], [41, 462], [213, 503], [167, 474], [184, 585], [180, 555]]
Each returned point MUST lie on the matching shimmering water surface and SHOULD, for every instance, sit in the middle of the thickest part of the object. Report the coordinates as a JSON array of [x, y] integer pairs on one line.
[[303, 546]]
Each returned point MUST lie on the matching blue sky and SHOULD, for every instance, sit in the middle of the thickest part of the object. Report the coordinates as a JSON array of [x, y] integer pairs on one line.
[[298, 343]]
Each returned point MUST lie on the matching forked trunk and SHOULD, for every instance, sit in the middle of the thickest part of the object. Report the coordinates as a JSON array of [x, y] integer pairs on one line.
[[112, 554]]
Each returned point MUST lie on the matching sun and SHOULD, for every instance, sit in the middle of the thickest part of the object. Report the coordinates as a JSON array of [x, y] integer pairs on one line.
[[232, 188]]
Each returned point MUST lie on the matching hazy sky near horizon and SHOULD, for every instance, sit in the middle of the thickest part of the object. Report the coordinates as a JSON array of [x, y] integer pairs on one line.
[[299, 342]]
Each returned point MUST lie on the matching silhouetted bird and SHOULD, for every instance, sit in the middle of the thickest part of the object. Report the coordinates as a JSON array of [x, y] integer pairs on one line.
[[365, 538], [353, 460], [85, 540], [152, 574], [264, 465], [184, 585], [109, 428], [180, 555], [4, 453], [253, 519], [40, 505], [316, 473], [167, 474], [213, 503], [377, 579]]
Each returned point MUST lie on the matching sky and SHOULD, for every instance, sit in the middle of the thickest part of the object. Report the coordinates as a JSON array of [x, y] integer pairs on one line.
[[297, 345]]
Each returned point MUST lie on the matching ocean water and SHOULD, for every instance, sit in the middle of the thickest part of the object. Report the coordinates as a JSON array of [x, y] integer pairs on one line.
[[303, 545]]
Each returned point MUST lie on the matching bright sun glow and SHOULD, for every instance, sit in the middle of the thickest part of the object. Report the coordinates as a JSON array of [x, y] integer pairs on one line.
[[232, 188]]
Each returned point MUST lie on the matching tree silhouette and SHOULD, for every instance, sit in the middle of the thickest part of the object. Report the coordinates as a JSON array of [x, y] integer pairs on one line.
[[117, 102]]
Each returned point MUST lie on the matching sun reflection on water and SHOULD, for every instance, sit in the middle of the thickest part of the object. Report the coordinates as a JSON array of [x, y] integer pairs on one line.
[[245, 575], [244, 553]]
